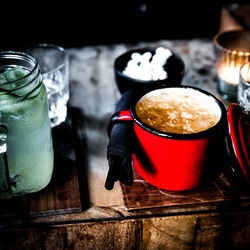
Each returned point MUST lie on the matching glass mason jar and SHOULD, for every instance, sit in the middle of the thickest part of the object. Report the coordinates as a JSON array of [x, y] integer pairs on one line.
[[26, 151]]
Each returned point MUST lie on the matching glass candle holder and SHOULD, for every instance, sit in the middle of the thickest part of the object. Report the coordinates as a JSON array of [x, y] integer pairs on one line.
[[232, 49]]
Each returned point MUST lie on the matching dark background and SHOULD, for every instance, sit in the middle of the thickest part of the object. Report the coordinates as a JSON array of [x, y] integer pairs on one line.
[[79, 23]]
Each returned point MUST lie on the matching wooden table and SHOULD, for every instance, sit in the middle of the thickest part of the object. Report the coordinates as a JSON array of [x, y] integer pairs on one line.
[[77, 211]]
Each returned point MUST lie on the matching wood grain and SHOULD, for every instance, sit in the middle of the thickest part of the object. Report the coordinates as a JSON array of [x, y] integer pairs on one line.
[[196, 231], [142, 195]]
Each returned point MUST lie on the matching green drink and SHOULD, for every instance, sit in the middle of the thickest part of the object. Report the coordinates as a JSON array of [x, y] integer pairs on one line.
[[27, 165]]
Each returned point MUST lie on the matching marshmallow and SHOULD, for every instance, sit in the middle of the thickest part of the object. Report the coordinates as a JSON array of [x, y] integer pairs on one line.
[[142, 68]]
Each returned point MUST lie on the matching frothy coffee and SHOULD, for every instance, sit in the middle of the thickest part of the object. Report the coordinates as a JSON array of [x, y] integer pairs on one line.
[[178, 110]]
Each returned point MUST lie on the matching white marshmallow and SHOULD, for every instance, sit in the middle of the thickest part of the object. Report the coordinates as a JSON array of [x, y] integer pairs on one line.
[[140, 67]]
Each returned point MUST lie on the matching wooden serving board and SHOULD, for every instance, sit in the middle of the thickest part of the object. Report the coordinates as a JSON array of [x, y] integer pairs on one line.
[[63, 194], [224, 187]]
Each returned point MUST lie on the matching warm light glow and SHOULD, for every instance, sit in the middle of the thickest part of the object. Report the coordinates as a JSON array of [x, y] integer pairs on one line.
[[245, 72], [229, 73], [228, 67]]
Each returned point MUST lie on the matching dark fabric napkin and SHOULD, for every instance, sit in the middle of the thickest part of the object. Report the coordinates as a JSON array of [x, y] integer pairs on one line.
[[120, 146]]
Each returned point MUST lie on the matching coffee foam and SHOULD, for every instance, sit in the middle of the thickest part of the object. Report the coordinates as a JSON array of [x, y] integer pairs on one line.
[[178, 110], [180, 93]]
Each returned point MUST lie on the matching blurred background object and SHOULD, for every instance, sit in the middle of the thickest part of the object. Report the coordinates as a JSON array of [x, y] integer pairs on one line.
[[235, 16]]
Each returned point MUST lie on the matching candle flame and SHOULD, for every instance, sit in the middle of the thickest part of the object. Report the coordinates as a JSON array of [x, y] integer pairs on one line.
[[229, 65], [229, 73]]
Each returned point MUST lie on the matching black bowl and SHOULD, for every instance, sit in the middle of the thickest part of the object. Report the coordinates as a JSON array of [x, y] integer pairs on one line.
[[174, 67]]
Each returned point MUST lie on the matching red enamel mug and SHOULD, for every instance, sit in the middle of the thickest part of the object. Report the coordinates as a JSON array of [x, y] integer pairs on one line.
[[174, 162]]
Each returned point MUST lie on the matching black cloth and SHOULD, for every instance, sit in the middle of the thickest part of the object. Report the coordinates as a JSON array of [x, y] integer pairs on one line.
[[120, 146]]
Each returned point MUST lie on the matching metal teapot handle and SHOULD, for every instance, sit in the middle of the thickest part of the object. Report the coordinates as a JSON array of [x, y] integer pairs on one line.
[[4, 170]]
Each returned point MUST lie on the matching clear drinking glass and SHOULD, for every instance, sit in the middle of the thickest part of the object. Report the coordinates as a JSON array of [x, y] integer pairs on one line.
[[54, 64], [244, 89]]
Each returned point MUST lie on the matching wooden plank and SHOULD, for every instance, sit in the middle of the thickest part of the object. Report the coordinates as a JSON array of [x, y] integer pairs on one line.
[[196, 231], [142, 195], [62, 195]]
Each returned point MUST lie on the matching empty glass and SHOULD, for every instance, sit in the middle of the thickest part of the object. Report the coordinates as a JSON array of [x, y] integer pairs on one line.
[[244, 89], [54, 64]]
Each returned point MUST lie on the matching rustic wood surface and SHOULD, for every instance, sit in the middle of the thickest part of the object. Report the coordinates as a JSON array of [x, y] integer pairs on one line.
[[219, 189], [197, 231], [105, 222]]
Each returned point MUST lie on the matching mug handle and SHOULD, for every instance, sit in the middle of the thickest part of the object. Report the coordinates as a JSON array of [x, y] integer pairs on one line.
[[119, 117], [4, 170]]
